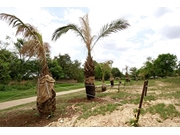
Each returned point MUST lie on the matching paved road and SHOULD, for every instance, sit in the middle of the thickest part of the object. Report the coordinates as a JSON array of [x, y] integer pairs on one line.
[[8, 104]]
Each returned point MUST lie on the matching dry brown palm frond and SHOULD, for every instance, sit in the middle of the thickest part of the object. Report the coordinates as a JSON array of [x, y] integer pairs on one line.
[[11, 19], [26, 30], [30, 33], [86, 30], [30, 48], [34, 48]]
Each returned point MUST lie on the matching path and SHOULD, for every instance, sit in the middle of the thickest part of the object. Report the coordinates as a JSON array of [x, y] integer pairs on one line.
[[8, 104]]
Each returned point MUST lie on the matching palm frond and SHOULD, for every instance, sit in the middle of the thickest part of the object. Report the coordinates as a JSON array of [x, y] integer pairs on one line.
[[27, 30], [113, 27], [62, 30], [86, 30], [11, 19]]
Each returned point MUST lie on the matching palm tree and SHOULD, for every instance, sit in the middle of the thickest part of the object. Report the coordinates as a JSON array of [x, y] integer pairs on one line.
[[35, 46], [90, 41], [104, 67]]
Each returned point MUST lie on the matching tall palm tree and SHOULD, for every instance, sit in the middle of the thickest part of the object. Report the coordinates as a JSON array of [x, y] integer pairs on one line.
[[90, 41], [36, 47]]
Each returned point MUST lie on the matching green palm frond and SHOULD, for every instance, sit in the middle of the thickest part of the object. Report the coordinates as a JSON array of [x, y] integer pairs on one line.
[[113, 27], [62, 30]]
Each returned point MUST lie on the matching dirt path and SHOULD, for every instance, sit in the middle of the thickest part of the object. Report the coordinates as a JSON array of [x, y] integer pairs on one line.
[[8, 104]]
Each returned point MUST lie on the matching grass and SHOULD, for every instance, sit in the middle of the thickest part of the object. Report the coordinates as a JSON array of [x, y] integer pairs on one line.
[[126, 95], [28, 89], [99, 110], [165, 111]]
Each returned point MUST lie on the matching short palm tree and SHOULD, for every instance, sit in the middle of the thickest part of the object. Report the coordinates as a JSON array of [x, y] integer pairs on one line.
[[105, 67], [36, 47], [85, 33]]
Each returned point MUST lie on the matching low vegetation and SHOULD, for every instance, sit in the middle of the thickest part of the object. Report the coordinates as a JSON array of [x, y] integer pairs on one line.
[[159, 91]]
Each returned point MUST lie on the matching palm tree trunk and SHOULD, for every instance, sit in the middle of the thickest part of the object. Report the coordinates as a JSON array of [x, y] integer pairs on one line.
[[89, 77], [46, 95]]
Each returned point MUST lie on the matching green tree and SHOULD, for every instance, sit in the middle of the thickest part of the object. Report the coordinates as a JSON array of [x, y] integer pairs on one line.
[[116, 72], [90, 41], [55, 69], [97, 71], [65, 63], [133, 72], [6, 61], [165, 64], [77, 71]]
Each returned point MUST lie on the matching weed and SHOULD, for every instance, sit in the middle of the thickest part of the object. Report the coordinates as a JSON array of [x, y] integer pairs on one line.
[[97, 110], [165, 111], [133, 122]]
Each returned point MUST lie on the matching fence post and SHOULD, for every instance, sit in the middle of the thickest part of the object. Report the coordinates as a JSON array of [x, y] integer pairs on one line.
[[119, 86], [144, 91]]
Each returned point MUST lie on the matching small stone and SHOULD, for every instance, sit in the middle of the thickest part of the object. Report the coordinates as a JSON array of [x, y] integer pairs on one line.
[[61, 121]]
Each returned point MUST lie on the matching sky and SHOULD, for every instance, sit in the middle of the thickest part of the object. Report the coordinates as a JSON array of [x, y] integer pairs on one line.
[[153, 30]]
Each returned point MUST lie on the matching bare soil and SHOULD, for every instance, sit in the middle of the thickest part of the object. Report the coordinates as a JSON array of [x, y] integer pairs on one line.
[[120, 117], [27, 116]]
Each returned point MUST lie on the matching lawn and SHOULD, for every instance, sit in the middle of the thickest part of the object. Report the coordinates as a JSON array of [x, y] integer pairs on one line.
[[28, 89]]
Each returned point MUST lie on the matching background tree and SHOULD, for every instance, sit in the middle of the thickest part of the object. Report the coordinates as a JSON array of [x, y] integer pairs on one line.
[[90, 41], [7, 60], [71, 69], [133, 72], [165, 64], [178, 69], [97, 71], [77, 71], [116, 72], [55, 69], [127, 74], [65, 63]]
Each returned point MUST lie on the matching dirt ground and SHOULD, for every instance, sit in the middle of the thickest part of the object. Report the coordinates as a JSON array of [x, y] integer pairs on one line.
[[118, 118], [121, 116]]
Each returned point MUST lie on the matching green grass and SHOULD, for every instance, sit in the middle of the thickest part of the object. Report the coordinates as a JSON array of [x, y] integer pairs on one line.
[[124, 96], [18, 91], [14, 92], [165, 111], [89, 111]]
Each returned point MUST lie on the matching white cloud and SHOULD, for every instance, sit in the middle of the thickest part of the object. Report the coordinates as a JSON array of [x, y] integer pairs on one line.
[[145, 37]]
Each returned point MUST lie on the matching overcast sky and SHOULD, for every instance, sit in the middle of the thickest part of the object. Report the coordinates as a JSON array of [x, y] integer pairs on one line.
[[153, 31]]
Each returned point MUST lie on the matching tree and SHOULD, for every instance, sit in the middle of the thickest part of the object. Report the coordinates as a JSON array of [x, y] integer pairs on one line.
[[6, 61], [133, 72], [165, 64], [90, 41], [77, 71], [36, 47], [116, 72], [127, 74], [55, 69], [65, 63], [104, 68]]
